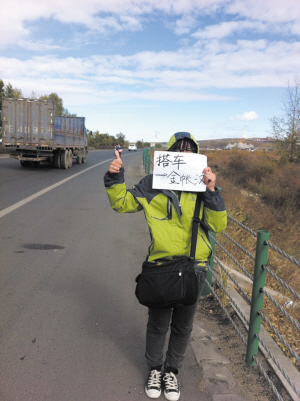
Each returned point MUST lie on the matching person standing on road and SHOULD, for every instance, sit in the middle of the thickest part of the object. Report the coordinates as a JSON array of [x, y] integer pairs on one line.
[[169, 215], [118, 149]]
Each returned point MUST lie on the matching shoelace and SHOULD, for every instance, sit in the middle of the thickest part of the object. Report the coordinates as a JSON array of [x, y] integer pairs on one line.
[[170, 381], [154, 379]]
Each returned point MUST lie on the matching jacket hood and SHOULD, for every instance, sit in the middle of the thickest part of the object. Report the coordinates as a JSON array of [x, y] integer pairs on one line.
[[181, 135]]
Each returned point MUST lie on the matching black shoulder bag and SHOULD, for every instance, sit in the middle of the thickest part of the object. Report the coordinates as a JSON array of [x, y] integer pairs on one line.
[[171, 283]]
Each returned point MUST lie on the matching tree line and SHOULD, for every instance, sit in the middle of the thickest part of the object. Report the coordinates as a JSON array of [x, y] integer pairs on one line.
[[106, 141]]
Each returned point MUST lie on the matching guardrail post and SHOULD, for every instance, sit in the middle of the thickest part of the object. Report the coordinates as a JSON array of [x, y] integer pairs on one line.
[[209, 275], [257, 295], [147, 163], [147, 160]]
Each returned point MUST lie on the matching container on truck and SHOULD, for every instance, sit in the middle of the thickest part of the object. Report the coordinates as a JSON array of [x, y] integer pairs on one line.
[[32, 133]]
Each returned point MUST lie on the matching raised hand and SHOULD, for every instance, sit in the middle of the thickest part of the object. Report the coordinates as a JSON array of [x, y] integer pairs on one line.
[[209, 178], [116, 164]]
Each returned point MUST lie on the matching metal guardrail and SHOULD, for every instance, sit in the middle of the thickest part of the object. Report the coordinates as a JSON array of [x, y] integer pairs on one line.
[[257, 316], [256, 301], [147, 160]]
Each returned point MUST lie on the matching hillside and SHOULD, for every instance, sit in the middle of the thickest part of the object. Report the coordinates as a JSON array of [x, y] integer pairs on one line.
[[263, 194], [222, 143]]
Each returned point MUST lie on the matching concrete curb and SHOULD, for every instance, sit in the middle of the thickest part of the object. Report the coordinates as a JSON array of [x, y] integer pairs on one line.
[[218, 380], [282, 360]]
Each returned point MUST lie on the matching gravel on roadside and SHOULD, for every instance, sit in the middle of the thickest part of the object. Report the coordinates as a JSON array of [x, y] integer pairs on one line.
[[249, 379]]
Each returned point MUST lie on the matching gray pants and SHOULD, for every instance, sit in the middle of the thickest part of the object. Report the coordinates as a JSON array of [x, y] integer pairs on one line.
[[180, 320]]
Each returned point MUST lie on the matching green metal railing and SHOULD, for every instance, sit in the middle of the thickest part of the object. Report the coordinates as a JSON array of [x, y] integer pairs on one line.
[[147, 160], [256, 306], [257, 295]]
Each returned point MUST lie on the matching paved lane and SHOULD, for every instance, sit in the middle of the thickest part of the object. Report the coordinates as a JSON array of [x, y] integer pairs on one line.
[[71, 328], [17, 183]]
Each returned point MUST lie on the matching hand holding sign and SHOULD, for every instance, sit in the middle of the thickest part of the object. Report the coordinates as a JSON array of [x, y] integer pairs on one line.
[[209, 178], [116, 164]]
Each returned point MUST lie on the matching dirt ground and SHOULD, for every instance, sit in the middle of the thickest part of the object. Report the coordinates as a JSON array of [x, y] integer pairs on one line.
[[249, 379]]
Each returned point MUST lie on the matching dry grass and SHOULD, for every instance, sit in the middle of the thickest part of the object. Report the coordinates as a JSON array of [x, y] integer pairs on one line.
[[255, 187]]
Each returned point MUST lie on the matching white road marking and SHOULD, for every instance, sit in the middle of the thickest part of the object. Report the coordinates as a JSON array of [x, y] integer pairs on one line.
[[23, 202]]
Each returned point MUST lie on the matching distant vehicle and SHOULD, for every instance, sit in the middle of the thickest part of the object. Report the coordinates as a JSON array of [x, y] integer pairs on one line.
[[118, 149], [132, 146], [32, 133]]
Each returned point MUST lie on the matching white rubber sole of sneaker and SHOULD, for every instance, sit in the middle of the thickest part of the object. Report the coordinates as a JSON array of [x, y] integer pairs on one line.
[[152, 395], [172, 397]]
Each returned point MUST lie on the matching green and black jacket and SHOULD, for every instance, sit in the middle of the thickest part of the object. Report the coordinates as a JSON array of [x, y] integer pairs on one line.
[[169, 214]]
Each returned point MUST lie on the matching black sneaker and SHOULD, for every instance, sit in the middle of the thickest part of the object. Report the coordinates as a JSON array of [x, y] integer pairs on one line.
[[171, 389], [153, 385]]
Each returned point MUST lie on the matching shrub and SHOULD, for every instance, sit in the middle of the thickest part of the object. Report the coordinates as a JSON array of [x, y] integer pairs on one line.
[[261, 173]]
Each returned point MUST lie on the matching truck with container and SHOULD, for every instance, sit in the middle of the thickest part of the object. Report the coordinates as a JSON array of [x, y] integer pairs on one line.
[[32, 134]]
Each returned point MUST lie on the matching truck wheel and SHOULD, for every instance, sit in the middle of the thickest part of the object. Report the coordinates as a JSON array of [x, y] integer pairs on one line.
[[24, 163], [64, 159], [57, 160], [79, 159], [70, 156]]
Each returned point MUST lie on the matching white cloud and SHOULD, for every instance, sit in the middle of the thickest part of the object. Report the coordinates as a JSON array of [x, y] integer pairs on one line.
[[266, 10], [185, 25], [190, 71], [78, 92], [38, 46], [18, 16], [295, 28], [225, 29], [223, 56], [248, 116], [102, 15]]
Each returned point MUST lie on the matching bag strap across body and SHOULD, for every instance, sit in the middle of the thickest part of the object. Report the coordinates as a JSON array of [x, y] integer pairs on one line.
[[196, 222]]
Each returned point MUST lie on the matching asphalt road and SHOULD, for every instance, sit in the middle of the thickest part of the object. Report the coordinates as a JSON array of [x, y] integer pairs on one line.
[[71, 327]]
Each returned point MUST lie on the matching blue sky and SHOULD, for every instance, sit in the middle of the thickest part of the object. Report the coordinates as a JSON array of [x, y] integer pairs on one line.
[[150, 68]]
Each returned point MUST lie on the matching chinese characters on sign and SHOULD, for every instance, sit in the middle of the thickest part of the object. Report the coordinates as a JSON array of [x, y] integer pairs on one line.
[[179, 171]]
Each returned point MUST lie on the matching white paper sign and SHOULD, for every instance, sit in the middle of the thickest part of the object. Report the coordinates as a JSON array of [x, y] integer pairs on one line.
[[180, 171]]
